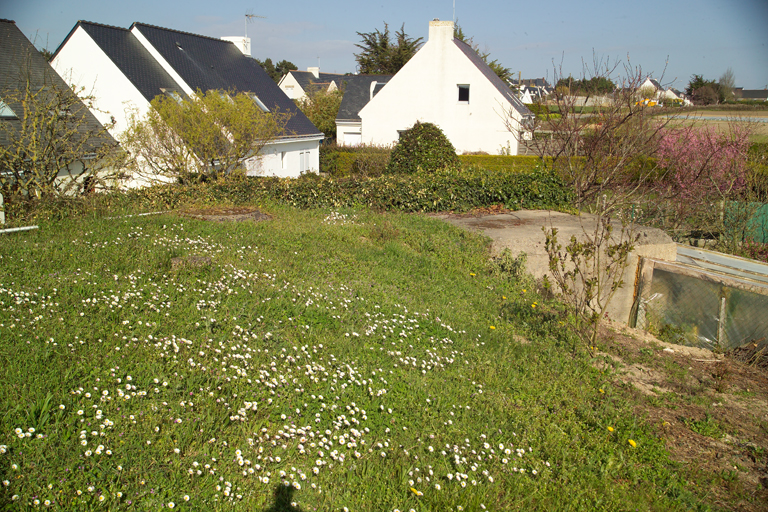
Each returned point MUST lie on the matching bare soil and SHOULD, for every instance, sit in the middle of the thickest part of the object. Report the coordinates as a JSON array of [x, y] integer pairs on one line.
[[226, 214], [710, 409]]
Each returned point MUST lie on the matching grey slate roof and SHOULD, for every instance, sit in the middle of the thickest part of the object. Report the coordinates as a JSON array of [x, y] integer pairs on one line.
[[754, 94], [206, 63], [530, 82], [21, 62], [306, 79], [492, 77], [357, 94], [130, 56]]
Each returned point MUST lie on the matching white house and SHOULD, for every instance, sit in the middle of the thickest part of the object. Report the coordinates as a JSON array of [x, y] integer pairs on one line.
[[448, 84], [125, 69], [296, 84]]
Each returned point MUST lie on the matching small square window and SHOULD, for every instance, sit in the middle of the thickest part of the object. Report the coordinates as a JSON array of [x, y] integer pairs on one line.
[[463, 93], [259, 103], [174, 95], [6, 112]]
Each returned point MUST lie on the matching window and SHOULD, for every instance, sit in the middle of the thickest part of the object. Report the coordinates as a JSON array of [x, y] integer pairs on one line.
[[463, 93], [174, 95], [260, 103], [6, 112]]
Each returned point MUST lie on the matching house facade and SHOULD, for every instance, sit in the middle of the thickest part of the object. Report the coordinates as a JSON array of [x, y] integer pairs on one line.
[[448, 84], [125, 69]]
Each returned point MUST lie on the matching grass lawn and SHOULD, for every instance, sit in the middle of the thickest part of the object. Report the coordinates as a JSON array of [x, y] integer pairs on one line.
[[318, 361]]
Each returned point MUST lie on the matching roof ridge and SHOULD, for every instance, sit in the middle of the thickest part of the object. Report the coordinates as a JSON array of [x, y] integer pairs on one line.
[[80, 22], [7, 21], [135, 23]]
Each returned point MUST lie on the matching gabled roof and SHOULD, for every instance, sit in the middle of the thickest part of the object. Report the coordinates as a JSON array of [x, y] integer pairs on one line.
[[656, 84], [130, 56], [357, 94], [492, 77], [205, 63], [22, 63], [306, 79]]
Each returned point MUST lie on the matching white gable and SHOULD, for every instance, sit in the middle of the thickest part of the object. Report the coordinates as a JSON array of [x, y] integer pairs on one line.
[[82, 64], [431, 87]]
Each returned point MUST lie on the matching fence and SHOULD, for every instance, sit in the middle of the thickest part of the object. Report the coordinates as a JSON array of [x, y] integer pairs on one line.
[[704, 299]]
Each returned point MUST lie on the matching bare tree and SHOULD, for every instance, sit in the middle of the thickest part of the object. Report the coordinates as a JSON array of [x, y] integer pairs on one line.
[[601, 145]]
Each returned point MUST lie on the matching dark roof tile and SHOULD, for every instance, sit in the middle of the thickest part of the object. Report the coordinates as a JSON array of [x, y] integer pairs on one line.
[[357, 94], [205, 63]]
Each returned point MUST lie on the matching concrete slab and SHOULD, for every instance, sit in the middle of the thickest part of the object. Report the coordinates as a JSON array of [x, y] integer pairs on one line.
[[521, 231]]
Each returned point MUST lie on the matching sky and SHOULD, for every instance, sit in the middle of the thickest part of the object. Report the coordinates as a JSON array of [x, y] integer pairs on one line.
[[670, 41]]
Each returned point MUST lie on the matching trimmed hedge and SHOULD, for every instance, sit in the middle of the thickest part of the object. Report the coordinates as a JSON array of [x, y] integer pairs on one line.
[[501, 162], [340, 161], [442, 190]]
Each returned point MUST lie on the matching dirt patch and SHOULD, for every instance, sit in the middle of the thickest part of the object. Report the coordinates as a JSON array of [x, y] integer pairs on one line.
[[495, 209], [710, 409], [227, 214]]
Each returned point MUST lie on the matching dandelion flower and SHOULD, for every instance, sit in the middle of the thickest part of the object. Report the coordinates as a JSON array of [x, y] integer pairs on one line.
[[492, 327], [417, 493], [632, 443], [610, 429]]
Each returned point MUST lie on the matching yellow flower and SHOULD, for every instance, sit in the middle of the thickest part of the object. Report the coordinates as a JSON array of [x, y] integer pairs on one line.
[[417, 493], [601, 390], [533, 305], [610, 429], [523, 290], [492, 327], [503, 297], [632, 443], [472, 274]]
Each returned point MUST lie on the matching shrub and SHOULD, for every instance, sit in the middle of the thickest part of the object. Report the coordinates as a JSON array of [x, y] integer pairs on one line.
[[423, 146]]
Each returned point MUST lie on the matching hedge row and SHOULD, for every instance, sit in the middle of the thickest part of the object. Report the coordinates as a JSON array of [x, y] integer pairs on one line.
[[444, 190]]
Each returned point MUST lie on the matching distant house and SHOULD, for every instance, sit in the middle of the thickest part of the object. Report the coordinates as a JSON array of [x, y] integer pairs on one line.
[[296, 84], [754, 94], [448, 84], [358, 91], [127, 68], [660, 94], [23, 68]]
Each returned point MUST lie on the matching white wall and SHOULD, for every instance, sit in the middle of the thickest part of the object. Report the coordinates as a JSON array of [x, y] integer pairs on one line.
[[288, 158], [426, 89], [348, 133], [81, 63], [291, 87]]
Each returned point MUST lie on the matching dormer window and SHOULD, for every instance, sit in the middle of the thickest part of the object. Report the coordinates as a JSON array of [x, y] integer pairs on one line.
[[174, 95], [463, 93], [6, 112], [259, 103]]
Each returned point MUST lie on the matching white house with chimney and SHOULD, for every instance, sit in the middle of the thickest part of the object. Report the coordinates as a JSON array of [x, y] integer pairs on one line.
[[448, 84]]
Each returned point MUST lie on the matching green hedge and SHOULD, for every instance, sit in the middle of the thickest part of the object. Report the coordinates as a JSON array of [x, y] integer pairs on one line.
[[443, 190], [500, 162], [340, 161]]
